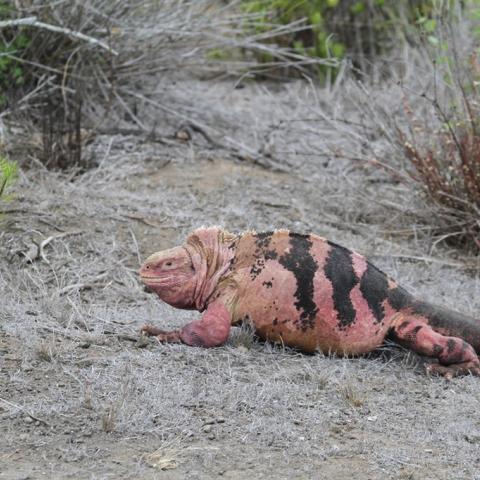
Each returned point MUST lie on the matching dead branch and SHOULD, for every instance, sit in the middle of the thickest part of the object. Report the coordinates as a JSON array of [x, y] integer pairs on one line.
[[19, 407], [34, 22]]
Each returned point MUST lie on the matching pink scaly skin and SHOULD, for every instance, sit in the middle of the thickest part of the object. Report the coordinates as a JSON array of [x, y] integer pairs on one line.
[[211, 331], [305, 292]]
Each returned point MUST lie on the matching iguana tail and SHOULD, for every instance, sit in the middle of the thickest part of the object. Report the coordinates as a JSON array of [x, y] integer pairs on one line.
[[437, 332], [449, 322]]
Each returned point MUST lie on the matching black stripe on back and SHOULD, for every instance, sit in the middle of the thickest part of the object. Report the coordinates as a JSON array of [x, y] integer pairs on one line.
[[301, 263], [374, 288], [339, 270]]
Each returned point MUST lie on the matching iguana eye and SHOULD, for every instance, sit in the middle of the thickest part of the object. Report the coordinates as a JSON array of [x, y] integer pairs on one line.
[[168, 264]]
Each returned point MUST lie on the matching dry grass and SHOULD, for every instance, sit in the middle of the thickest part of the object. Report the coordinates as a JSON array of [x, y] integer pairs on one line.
[[236, 411]]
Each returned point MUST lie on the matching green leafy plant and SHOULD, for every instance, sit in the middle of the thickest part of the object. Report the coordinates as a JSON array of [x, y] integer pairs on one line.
[[361, 30], [311, 38], [12, 43], [8, 174]]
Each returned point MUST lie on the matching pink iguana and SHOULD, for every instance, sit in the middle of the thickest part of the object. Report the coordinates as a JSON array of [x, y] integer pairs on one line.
[[305, 292]]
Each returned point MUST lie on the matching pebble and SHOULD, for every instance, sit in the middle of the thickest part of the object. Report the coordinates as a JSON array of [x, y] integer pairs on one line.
[[212, 421], [472, 438]]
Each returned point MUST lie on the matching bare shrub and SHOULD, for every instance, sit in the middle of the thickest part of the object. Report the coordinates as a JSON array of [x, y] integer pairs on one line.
[[446, 159], [81, 65], [63, 136], [445, 153], [421, 128]]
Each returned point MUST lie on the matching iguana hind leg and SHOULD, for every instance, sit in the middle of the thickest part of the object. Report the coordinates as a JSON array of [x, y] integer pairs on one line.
[[455, 356]]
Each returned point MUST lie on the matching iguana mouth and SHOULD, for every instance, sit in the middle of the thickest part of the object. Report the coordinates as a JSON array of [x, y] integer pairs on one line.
[[159, 281], [151, 279]]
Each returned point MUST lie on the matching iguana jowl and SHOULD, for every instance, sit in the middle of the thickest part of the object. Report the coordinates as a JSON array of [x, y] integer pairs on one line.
[[305, 292]]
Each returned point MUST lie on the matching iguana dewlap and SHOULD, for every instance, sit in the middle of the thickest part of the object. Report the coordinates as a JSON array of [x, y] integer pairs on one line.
[[305, 292]]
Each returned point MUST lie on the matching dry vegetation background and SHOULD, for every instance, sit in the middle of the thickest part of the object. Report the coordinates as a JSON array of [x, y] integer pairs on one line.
[[129, 131]]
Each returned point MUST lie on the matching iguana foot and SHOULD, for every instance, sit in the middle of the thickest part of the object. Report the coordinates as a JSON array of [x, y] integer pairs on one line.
[[455, 370], [169, 337], [151, 331], [161, 335]]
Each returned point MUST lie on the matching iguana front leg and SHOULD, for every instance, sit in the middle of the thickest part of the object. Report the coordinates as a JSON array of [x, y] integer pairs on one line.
[[456, 356], [211, 331]]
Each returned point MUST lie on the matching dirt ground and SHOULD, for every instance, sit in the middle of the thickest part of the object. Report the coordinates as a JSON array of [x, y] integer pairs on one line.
[[82, 395]]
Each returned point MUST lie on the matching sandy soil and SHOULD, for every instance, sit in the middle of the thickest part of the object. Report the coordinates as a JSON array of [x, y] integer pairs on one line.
[[83, 396]]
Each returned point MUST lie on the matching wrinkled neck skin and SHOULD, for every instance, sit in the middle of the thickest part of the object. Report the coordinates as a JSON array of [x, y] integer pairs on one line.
[[211, 252]]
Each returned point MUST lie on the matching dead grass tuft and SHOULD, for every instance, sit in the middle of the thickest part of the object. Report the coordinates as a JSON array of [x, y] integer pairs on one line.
[[351, 396], [164, 458], [112, 411], [47, 350], [243, 336], [109, 418]]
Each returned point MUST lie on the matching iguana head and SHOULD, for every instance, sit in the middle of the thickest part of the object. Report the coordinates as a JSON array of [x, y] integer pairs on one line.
[[186, 276], [172, 276]]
